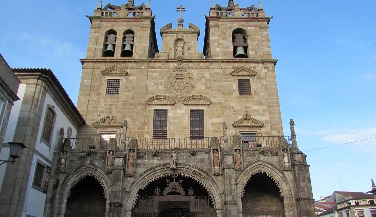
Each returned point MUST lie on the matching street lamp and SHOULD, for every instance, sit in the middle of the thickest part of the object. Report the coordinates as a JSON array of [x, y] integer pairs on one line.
[[15, 151]]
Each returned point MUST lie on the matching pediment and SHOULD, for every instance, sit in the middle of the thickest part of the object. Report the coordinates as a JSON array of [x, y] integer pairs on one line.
[[107, 121], [243, 71], [114, 70], [197, 100], [248, 121], [160, 100]]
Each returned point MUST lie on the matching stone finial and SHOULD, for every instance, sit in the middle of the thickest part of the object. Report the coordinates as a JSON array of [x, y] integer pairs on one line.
[[148, 5], [231, 3], [212, 5], [293, 135], [260, 6], [99, 7]]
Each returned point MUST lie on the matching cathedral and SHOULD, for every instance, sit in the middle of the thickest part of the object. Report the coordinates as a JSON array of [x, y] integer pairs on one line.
[[174, 131]]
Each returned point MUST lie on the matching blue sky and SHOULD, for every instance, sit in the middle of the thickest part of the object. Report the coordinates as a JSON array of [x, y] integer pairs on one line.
[[326, 69]]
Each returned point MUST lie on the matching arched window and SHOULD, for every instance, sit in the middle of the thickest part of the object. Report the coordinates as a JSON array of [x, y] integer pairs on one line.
[[239, 43], [109, 44], [128, 42]]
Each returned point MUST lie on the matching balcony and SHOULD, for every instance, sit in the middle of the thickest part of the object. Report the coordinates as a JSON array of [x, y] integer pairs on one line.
[[110, 142]]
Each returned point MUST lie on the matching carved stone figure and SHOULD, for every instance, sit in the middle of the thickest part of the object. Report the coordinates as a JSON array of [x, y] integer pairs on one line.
[[67, 144], [63, 161], [238, 159], [179, 49], [130, 164], [216, 163], [110, 158], [174, 160], [286, 161]]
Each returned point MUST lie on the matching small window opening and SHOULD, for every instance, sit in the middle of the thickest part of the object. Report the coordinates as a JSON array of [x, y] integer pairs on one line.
[[128, 42], [244, 86], [239, 43], [109, 45]]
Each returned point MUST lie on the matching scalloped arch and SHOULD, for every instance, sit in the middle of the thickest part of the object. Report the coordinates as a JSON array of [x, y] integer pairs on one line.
[[271, 171], [70, 181], [162, 171]]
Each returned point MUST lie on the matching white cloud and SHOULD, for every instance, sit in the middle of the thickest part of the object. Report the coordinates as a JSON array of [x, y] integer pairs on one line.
[[363, 140], [366, 77]]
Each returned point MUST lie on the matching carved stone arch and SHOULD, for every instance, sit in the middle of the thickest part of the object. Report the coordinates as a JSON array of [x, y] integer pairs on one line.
[[71, 180], [160, 171], [274, 174]]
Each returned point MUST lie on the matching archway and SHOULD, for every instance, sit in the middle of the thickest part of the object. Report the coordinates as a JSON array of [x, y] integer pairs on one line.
[[262, 198], [174, 196], [86, 199]]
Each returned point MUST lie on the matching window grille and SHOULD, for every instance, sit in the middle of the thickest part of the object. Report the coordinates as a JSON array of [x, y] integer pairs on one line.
[[160, 124], [197, 124], [38, 176], [113, 86], [48, 125], [244, 87]]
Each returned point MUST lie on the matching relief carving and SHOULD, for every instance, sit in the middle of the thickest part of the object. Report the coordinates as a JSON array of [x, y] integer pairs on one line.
[[114, 70], [196, 100], [248, 121], [243, 71]]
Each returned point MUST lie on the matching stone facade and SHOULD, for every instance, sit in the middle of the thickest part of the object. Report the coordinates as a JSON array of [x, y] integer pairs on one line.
[[177, 132], [8, 95]]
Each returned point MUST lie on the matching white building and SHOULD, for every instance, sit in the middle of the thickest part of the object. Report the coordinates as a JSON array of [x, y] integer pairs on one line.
[[40, 119], [350, 204]]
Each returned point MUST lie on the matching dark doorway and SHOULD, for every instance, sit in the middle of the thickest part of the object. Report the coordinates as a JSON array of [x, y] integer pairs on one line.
[[86, 199], [262, 198]]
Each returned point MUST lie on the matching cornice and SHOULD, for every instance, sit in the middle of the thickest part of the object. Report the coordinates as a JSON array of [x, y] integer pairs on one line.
[[47, 76]]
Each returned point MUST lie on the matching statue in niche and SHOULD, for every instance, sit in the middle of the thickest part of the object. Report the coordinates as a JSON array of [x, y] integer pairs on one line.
[[67, 144], [238, 159], [63, 161], [286, 161], [130, 164], [174, 160], [179, 49], [110, 158], [216, 163]]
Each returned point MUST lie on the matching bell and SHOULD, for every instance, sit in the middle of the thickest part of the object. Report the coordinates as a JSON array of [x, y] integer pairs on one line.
[[110, 47], [128, 47], [240, 52]]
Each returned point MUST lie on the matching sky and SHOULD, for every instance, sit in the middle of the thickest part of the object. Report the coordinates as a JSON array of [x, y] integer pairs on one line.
[[326, 70]]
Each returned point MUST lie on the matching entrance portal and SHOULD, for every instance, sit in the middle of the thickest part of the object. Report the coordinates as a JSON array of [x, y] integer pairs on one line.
[[174, 196], [86, 199], [262, 198]]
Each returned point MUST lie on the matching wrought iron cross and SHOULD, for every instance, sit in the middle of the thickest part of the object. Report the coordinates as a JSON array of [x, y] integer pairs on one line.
[[180, 9]]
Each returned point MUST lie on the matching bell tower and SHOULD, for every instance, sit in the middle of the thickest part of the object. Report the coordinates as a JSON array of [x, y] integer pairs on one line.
[[233, 32], [119, 32]]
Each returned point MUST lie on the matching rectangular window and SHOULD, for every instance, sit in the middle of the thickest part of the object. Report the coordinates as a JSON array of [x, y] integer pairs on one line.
[[244, 87], [41, 177], [38, 176], [160, 124], [248, 139], [197, 124], [360, 213], [107, 140], [113, 86], [48, 125]]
